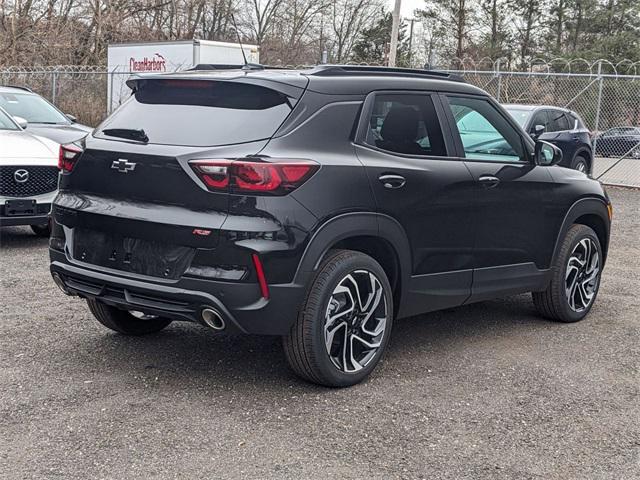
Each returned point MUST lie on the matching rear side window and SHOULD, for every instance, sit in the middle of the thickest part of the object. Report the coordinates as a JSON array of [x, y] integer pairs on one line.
[[201, 113], [405, 124]]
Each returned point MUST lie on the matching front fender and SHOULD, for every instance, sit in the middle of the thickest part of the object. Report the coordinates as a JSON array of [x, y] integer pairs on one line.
[[586, 206]]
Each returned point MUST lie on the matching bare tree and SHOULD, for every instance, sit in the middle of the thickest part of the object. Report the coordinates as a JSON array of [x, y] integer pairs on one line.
[[348, 19]]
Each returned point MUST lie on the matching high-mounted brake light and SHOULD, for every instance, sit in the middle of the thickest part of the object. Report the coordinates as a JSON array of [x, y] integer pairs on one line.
[[68, 157], [261, 176]]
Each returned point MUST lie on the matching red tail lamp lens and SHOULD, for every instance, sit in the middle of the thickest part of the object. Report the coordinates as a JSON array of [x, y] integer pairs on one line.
[[68, 156], [275, 176]]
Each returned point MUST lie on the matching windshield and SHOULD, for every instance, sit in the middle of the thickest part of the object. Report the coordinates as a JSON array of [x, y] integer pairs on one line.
[[32, 108], [519, 115], [6, 123], [198, 113]]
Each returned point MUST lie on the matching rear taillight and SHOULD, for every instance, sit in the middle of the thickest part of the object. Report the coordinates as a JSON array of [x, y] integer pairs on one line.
[[269, 176], [68, 157]]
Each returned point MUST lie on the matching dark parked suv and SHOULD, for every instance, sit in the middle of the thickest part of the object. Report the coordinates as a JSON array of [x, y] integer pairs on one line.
[[564, 128], [319, 205]]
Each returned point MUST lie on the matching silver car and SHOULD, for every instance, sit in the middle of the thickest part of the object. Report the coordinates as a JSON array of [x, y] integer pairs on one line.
[[28, 176]]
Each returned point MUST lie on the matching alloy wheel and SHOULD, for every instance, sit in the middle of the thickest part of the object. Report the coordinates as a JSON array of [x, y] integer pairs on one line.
[[582, 275], [355, 321]]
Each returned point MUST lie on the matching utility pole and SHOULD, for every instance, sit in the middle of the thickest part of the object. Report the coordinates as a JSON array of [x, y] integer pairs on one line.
[[395, 26]]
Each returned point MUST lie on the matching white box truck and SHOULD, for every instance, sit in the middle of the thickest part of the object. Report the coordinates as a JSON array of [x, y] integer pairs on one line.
[[125, 59]]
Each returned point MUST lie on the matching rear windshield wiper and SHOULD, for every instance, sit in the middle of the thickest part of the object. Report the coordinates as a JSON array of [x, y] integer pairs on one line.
[[128, 133]]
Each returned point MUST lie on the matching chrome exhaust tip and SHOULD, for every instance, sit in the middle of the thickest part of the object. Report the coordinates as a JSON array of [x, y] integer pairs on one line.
[[213, 319]]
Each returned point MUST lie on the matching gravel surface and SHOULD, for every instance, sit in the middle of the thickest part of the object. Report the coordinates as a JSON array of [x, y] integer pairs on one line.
[[483, 391]]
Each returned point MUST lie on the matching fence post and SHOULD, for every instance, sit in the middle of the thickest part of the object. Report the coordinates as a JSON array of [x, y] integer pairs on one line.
[[54, 86], [110, 90], [598, 108], [499, 80]]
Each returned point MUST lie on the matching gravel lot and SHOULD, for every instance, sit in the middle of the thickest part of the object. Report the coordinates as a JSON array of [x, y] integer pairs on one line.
[[483, 391]]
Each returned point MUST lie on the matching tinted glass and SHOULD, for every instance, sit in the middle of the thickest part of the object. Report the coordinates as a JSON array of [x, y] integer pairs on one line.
[[201, 113], [405, 124], [540, 118], [485, 134], [32, 108], [6, 123], [558, 121]]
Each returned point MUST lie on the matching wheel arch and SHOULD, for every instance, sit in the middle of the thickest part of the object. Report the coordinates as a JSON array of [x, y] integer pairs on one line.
[[586, 153], [376, 235], [591, 212]]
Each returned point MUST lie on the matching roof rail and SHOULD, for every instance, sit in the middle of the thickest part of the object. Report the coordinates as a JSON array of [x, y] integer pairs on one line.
[[20, 87], [226, 66], [340, 70]]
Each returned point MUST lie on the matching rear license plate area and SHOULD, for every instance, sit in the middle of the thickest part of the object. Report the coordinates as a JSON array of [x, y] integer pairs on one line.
[[20, 208], [135, 255]]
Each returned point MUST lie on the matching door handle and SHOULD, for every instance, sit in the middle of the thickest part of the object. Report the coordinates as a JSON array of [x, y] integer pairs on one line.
[[392, 181], [489, 181]]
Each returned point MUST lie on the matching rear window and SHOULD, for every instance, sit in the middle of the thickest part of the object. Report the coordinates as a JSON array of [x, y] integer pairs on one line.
[[201, 113]]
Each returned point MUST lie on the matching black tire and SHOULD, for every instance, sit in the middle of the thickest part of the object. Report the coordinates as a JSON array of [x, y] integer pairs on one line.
[[124, 322], [42, 230], [553, 303], [581, 164], [304, 346]]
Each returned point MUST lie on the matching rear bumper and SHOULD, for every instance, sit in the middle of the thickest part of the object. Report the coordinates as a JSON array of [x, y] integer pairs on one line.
[[241, 305]]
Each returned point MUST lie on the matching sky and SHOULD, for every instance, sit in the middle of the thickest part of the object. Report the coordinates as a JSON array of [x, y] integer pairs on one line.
[[407, 7]]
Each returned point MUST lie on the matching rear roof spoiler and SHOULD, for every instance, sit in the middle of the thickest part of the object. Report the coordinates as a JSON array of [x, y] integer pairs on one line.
[[226, 66], [361, 70]]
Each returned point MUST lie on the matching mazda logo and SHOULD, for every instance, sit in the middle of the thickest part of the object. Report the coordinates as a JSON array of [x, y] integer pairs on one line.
[[21, 176]]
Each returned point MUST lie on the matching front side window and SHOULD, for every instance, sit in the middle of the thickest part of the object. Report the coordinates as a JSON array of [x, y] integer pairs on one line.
[[558, 121], [540, 119], [405, 124], [485, 134]]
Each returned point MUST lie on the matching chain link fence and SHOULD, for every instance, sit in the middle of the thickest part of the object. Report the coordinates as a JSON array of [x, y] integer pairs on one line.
[[609, 104]]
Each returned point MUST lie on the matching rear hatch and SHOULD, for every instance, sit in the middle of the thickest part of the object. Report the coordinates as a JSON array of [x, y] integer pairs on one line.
[[132, 202]]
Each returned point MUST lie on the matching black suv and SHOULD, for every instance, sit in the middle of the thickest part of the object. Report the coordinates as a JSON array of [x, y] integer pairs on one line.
[[564, 128], [319, 205]]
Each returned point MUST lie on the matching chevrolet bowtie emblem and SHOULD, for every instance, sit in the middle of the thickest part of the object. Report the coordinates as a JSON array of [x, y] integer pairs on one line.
[[123, 166]]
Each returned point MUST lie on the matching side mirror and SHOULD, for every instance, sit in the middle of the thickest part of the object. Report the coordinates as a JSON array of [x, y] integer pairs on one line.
[[21, 121], [72, 118], [537, 131], [547, 154]]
